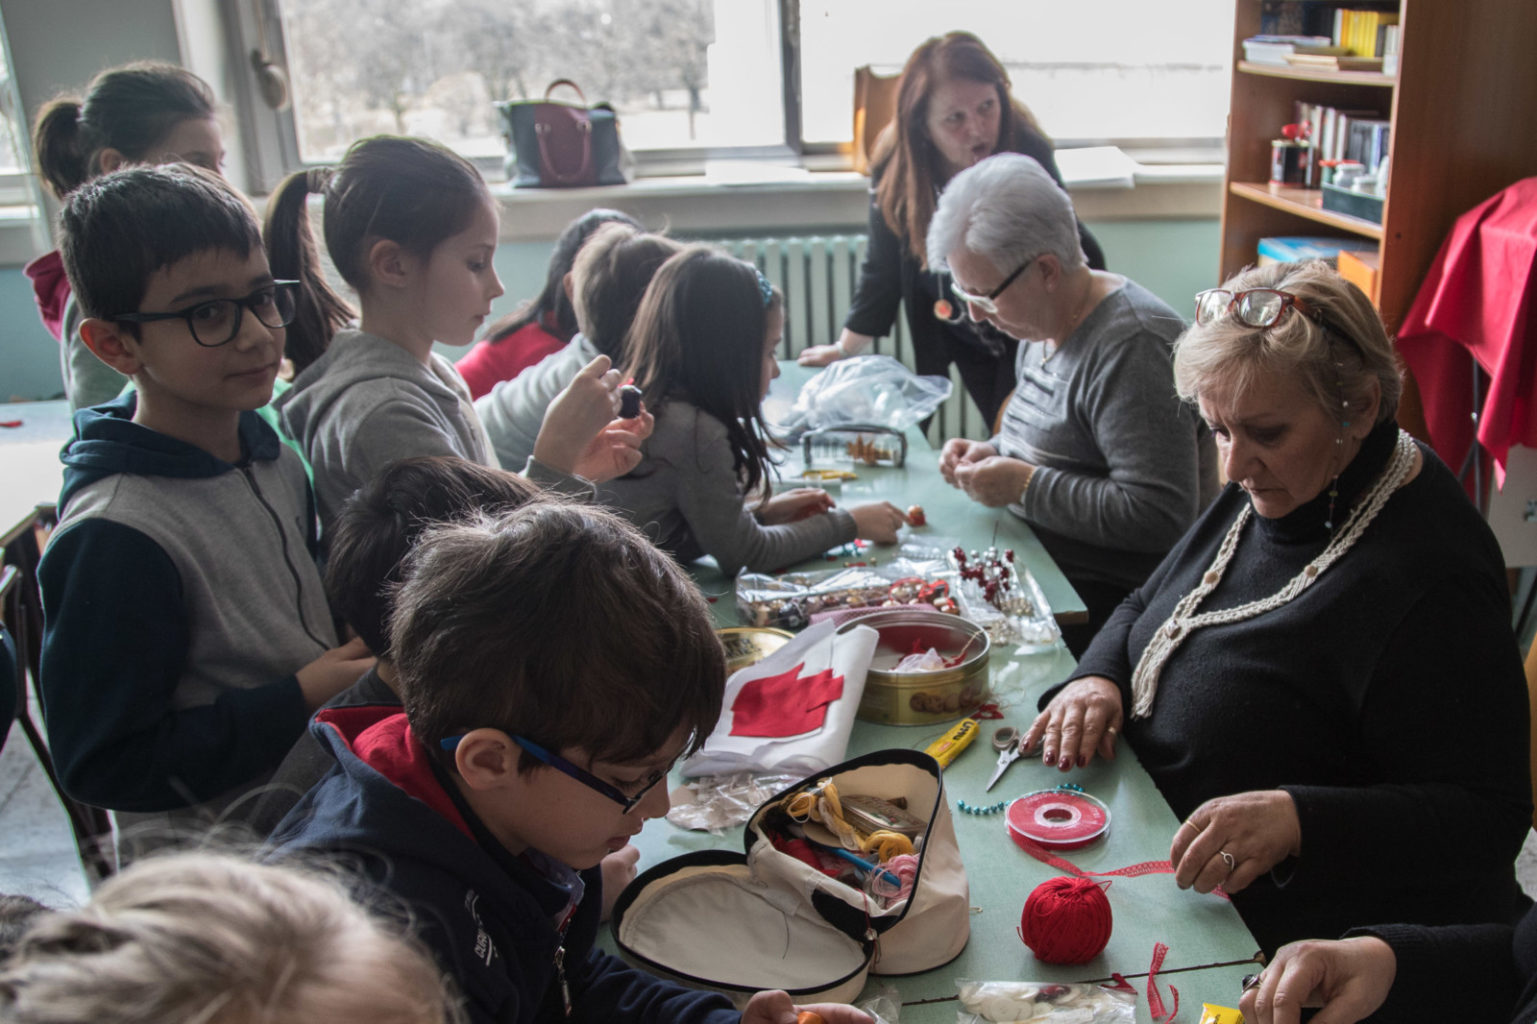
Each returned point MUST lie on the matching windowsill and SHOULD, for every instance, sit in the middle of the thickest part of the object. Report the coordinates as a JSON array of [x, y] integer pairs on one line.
[[743, 197]]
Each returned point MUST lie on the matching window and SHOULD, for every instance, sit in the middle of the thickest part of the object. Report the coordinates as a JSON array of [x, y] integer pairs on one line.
[[683, 74], [13, 121], [1090, 70], [705, 77]]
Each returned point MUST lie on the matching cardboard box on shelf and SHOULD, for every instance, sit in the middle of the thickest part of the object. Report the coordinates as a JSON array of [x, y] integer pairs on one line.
[[1362, 268]]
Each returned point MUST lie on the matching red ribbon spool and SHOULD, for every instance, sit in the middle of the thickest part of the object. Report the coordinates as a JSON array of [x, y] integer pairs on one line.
[[1066, 920]]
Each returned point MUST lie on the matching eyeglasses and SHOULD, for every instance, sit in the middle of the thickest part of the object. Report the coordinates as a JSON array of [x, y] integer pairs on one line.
[[986, 303], [217, 321], [581, 775], [1256, 307]]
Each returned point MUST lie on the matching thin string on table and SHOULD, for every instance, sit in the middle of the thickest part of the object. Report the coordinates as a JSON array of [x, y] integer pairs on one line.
[[1183, 620]]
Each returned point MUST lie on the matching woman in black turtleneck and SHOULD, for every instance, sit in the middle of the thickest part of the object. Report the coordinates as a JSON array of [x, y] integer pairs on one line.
[[1321, 676]]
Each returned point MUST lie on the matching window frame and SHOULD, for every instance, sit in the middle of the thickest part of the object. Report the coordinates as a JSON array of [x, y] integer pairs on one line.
[[271, 139]]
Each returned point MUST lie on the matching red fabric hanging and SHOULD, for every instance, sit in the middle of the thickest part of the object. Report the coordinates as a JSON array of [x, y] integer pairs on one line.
[[1479, 298], [786, 704]]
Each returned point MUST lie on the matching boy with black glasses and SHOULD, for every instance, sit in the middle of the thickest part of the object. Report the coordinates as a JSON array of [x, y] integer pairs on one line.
[[554, 664], [187, 636]]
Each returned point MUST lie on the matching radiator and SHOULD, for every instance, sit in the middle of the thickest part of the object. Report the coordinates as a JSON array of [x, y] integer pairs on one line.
[[817, 274]]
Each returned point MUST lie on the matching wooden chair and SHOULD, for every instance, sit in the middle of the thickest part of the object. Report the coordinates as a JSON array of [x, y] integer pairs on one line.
[[23, 613]]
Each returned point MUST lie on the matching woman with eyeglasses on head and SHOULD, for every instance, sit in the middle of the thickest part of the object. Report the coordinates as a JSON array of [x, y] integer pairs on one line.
[[954, 108], [1093, 449], [1321, 677]]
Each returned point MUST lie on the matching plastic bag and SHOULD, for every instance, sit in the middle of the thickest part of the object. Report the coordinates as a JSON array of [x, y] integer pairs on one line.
[[875, 390], [1026, 1002]]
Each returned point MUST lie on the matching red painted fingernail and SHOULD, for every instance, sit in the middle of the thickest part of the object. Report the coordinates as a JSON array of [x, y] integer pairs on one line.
[[1083, 760], [1064, 762]]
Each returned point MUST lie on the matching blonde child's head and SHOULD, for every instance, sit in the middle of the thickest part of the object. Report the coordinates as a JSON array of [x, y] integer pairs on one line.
[[708, 332], [609, 278], [390, 205], [206, 938]]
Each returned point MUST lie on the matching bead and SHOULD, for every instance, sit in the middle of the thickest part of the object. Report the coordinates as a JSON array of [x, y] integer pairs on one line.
[[1212, 578]]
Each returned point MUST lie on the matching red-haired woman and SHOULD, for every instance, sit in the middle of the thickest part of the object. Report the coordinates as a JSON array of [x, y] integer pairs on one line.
[[953, 109]]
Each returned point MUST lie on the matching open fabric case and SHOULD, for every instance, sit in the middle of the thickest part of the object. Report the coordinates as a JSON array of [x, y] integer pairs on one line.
[[740, 923]]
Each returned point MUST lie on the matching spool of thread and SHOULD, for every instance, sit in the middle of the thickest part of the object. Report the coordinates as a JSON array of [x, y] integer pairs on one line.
[[1066, 920]]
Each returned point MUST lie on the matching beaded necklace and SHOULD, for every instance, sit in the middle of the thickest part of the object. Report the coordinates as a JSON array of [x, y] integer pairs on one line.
[[1184, 620]]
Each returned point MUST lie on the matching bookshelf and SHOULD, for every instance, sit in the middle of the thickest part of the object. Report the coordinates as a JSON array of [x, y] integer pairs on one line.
[[1462, 106]]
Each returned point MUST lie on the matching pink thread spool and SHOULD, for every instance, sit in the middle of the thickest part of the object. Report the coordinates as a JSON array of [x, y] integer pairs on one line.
[[1066, 920]]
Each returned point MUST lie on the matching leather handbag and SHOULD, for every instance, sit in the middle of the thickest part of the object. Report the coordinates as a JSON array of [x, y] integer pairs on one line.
[[553, 144]]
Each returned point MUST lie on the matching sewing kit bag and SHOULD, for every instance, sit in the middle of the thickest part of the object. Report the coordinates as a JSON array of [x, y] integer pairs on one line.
[[738, 923], [553, 144]]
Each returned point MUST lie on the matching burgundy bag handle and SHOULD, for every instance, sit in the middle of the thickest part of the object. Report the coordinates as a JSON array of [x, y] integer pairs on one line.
[[565, 81], [583, 169]]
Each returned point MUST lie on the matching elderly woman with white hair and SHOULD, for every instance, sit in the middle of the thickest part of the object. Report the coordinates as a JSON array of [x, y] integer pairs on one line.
[[1321, 677], [1094, 449]]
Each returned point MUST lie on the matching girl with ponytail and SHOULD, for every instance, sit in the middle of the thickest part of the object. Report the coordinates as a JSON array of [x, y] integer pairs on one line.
[[143, 113]]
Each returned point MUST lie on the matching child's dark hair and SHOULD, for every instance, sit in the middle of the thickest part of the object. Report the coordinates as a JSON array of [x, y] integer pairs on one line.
[[118, 229], [414, 192], [553, 310], [611, 275], [128, 109], [560, 622], [698, 336], [379, 525]]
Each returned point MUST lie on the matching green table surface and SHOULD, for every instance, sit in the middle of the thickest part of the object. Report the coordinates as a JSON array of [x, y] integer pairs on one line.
[[1202, 932]]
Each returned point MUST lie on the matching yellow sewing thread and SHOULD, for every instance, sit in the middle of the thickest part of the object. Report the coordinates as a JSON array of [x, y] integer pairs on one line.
[[820, 803]]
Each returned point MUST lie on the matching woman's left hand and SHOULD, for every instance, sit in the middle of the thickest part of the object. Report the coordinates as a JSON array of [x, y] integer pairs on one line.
[[1232, 840], [794, 505], [995, 481]]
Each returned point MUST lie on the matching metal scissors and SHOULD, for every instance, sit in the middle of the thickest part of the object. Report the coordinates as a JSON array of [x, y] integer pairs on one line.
[[1006, 742]]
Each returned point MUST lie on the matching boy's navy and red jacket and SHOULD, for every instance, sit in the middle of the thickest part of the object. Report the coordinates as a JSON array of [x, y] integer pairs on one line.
[[491, 918], [180, 598]]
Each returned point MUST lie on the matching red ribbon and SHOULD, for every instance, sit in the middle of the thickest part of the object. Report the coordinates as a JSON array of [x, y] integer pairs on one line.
[[1154, 997], [1147, 867]]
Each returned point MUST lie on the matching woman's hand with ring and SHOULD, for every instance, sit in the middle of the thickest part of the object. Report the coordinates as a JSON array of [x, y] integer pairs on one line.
[[1349, 978], [1082, 719], [1232, 840]]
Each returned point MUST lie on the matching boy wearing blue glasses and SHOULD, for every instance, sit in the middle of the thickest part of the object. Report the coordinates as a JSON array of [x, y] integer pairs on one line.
[[553, 664], [187, 636]]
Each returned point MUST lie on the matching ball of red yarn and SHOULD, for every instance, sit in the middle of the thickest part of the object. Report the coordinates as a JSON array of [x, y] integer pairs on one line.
[[1066, 920]]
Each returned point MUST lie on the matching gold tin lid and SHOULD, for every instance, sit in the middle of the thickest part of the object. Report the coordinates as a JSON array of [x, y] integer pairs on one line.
[[745, 645]]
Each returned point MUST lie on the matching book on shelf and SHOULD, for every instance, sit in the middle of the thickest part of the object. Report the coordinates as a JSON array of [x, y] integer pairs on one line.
[[1360, 31], [1269, 49], [1291, 248], [1334, 62], [1367, 141]]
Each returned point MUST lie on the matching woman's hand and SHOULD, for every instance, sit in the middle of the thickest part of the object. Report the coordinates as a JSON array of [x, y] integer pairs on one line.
[[878, 521], [1349, 978], [994, 481], [849, 344], [1083, 719], [616, 449], [958, 450], [1232, 840], [577, 415], [794, 505], [779, 1008]]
